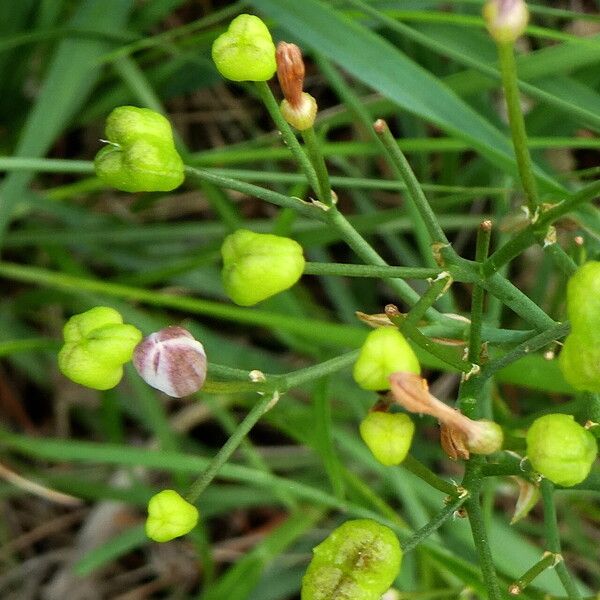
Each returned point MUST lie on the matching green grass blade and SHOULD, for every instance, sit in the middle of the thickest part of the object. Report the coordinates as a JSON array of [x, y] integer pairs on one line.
[[387, 70], [71, 77]]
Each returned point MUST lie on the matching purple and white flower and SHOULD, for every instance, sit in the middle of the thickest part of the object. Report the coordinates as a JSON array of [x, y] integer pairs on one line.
[[171, 361]]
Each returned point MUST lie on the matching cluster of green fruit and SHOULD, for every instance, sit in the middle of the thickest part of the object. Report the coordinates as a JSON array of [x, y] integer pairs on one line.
[[360, 559]]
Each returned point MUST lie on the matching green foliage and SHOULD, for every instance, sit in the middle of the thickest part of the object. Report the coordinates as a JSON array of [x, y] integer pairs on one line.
[[269, 450]]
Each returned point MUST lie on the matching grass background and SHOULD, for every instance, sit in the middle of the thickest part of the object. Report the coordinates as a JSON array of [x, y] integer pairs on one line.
[[68, 244]]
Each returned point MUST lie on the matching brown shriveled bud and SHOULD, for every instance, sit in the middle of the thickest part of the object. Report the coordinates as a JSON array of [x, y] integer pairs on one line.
[[380, 126], [290, 72], [454, 443], [298, 108], [480, 437], [171, 361]]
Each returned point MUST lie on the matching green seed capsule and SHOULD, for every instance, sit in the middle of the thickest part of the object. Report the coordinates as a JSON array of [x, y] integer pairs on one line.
[[140, 155], [245, 52], [385, 351], [97, 344], [560, 449], [388, 436], [579, 359], [358, 561], [257, 266], [583, 297], [169, 516]]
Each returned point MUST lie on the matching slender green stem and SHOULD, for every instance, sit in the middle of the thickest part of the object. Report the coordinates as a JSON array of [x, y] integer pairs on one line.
[[553, 539], [481, 249], [508, 70], [561, 259], [444, 353], [345, 182], [355, 105], [250, 189], [416, 467], [316, 158], [241, 379], [536, 231], [223, 455], [176, 462], [480, 538], [436, 522], [412, 184], [546, 562], [369, 255], [302, 376], [9, 347], [557, 332], [436, 289], [378, 272], [317, 330], [515, 299], [289, 137], [46, 165]]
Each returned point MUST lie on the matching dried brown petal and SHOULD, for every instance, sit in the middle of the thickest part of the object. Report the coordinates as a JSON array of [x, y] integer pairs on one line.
[[454, 442]]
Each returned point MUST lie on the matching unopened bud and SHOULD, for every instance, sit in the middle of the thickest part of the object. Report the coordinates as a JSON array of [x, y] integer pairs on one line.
[[169, 516], [298, 108], [171, 361], [506, 20], [301, 116], [484, 437]]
